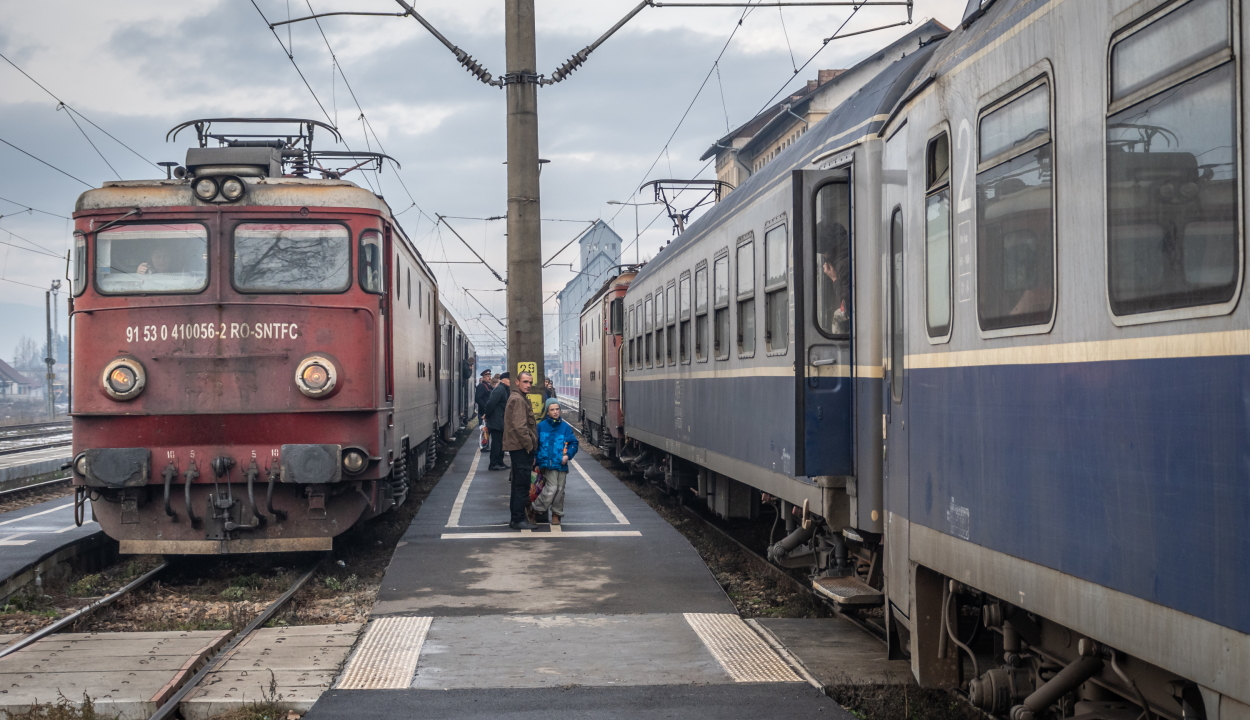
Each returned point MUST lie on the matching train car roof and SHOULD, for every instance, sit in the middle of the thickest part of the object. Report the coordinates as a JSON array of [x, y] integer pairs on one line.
[[985, 21], [608, 285], [860, 115]]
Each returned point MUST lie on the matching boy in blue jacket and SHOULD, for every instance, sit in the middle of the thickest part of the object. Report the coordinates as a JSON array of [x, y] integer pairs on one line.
[[556, 445]]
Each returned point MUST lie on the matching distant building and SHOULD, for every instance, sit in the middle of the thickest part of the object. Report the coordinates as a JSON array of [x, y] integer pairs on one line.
[[600, 256], [13, 382], [744, 151]]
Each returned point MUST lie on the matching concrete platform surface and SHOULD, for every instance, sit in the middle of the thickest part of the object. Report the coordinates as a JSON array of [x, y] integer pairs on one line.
[[837, 652], [125, 674], [27, 535], [643, 702], [292, 666], [613, 554]]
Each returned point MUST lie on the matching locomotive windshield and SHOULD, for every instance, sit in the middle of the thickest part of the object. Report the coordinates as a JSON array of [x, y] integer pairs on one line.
[[291, 257], [141, 259]]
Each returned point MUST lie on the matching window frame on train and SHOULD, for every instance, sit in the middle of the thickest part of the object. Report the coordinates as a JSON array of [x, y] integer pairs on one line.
[[1194, 73], [819, 259], [670, 322], [777, 291], [684, 317], [371, 239], [701, 322], [1007, 160], [648, 319], [938, 183], [897, 256], [744, 299], [658, 295], [720, 307]]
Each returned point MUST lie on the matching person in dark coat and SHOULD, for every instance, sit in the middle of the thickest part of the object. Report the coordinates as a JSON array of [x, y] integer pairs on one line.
[[520, 439], [493, 410], [480, 395]]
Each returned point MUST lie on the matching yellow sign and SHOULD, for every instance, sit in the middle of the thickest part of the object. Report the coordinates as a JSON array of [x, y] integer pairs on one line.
[[529, 367], [536, 402]]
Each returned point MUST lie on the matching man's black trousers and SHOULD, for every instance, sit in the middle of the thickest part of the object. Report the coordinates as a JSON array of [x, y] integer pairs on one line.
[[522, 462], [496, 447]]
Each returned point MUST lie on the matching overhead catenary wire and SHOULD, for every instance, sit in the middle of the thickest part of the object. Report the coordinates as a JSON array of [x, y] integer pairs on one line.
[[87, 137], [45, 162], [75, 112], [33, 209]]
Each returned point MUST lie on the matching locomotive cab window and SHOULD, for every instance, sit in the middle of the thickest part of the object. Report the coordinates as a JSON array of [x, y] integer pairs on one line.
[[720, 279], [937, 246], [371, 270], [1173, 239], [291, 258], [683, 299], [832, 257], [700, 309], [156, 258], [1015, 242], [745, 290], [776, 291], [80, 262]]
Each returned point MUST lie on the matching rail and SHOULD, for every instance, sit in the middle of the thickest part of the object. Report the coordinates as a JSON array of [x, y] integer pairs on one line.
[[171, 705]]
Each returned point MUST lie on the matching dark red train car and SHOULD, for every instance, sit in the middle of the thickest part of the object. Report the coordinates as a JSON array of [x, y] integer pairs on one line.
[[254, 352], [604, 322]]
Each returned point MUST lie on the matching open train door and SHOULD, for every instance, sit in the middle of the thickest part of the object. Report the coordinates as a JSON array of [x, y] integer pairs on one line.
[[824, 395]]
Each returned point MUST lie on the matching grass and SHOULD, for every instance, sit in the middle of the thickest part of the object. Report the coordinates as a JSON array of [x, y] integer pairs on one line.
[[30, 602], [62, 709]]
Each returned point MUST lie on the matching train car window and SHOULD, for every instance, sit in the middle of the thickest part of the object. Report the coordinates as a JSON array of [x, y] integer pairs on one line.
[[409, 271], [776, 291], [1015, 242], [420, 290], [700, 309], [629, 333], [371, 271], [80, 262], [897, 336], [937, 246], [832, 257], [649, 318], [659, 326], [670, 304], [156, 258], [1173, 237], [291, 257], [683, 297], [720, 280], [745, 290]]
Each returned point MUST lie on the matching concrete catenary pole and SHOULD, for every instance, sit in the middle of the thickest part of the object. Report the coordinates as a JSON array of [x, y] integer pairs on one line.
[[525, 311], [50, 357]]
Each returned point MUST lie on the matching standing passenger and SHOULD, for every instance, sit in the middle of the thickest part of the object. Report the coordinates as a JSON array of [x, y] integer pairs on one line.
[[480, 395], [520, 439], [494, 408], [549, 390], [556, 446]]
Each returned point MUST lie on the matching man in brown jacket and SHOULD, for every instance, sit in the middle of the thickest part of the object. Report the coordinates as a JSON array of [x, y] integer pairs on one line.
[[520, 440]]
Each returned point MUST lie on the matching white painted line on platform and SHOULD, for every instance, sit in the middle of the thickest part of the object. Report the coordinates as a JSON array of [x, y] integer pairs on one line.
[[620, 516], [744, 656], [66, 529], [387, 656], [530, 535], [11, 542], [458, 506], [45, 512]]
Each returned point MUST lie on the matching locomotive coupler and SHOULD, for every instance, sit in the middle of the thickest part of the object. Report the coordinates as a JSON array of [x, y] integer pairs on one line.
[[171, 471]]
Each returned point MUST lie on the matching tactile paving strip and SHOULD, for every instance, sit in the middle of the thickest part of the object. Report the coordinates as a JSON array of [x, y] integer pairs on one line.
[[387, 656], [743, 654]]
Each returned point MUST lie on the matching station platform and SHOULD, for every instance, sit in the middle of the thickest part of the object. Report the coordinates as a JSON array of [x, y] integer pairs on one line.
[[612, 614], [34, 532], [34, 465]]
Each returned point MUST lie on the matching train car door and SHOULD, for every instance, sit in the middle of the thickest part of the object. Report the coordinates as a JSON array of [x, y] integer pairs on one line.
[[822, 260], [388, 309]]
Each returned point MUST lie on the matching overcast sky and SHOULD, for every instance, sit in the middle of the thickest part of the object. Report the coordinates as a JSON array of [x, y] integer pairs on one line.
[[137, 68]]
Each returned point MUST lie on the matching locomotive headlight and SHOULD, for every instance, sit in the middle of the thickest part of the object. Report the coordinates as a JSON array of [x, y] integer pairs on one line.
[[124, 378], [354, 461], [80, 465], [205, 188], [315, 376], [232, 189]]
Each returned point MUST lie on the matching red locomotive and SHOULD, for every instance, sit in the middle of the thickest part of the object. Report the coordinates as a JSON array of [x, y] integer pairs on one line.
[[603, 326], [257, 353]]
